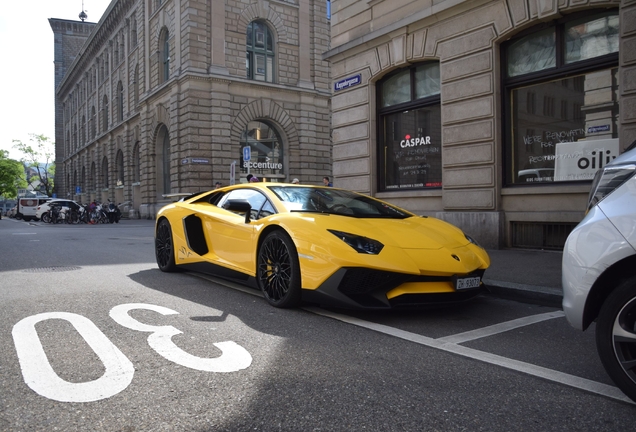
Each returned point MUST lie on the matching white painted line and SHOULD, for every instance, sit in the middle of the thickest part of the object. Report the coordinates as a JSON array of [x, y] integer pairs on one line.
[[444, 345], [500, 328], [515, 365]]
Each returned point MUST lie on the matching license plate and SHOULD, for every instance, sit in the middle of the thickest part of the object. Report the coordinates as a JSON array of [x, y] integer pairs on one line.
[[467, 283]]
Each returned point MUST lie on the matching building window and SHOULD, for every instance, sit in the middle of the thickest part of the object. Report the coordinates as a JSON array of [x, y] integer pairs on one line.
[[260, 52], [409, 129], [133, 32], [571, 67], [265, 151], [164, 56], [135, 88]]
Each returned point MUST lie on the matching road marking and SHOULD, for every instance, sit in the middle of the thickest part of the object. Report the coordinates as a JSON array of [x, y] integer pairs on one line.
[[500, 328], [449, 344], [515, 365]]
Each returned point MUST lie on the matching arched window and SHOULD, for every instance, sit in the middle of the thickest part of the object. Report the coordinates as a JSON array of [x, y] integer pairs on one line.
[[561, 99], [163, 160], [105, 114], [260, 55], [266, 155], [410, 129], [164, 56], [120, 101]]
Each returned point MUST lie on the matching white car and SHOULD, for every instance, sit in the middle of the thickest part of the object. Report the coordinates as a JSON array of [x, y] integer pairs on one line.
[[44, 207], [599, 270]]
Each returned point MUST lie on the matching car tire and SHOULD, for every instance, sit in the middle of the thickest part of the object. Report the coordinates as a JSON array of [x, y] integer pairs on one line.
[[616, 336], [278, 270], [164, 247], [46, 217]]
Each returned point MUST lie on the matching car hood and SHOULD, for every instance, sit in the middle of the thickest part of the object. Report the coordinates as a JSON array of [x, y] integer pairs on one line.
[[410, 233]]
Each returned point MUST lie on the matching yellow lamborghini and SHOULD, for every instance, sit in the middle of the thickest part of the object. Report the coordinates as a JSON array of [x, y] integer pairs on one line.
[[320, 245]]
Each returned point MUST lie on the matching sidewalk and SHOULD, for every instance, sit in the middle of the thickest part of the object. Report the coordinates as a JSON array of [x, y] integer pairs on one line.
[[523, 274]]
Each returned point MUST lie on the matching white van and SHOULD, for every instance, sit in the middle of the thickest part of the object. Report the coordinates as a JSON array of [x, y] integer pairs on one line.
[[27, 207]]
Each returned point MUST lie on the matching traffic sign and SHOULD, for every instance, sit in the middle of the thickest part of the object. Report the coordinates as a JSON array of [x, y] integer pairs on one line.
[[247, 153]]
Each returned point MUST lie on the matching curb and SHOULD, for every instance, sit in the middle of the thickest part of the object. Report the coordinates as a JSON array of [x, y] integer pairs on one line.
[[543, 296]]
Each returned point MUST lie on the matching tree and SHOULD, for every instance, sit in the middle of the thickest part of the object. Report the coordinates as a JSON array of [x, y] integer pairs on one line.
[[11, 176], [39, 155]]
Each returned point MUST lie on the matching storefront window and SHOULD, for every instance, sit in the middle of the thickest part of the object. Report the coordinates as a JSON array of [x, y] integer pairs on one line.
[[265, 158], [409, 140], [562, 113]]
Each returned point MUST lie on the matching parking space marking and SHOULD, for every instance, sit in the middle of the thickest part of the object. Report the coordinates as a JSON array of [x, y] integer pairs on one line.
[[515, 365], [501, 327], [447, 344]]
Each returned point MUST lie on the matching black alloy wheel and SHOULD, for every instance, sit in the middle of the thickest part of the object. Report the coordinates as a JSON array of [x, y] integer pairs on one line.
[[616, 336], [46, 217], [164, 247], [278, 272]]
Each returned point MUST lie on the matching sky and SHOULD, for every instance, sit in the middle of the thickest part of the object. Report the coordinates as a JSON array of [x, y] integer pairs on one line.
[[27, 90]]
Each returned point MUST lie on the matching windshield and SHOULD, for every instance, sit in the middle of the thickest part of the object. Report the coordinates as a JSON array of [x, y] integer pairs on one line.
[[335, 201]]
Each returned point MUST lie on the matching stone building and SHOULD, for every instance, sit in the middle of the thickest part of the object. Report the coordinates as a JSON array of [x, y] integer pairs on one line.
[[165, 96], [491, 114]]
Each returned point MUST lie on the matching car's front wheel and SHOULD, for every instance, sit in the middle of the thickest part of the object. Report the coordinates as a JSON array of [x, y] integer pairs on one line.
[[164, 247], [278, 271], [616, 336]]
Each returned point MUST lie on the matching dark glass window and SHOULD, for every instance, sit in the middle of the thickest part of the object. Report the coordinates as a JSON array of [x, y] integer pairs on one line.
[[259, 52], [410, 138], [561, 106]]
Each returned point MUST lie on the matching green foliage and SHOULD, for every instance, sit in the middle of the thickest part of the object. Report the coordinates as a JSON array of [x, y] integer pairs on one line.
[[11, 176], [39, 154]]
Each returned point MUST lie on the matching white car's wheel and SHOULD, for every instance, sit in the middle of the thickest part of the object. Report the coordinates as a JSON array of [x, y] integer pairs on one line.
[[616, 336]]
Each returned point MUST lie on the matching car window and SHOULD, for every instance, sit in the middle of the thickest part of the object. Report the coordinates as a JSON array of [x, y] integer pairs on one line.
[[260, 206], [336, 201]]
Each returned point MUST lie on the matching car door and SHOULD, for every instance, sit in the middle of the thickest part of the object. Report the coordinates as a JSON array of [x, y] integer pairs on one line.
[[231, 239]]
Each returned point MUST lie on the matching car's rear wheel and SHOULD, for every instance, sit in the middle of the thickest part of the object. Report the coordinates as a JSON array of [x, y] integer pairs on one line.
[[164, 247], [46, 217], [616, 336], [278, 271]]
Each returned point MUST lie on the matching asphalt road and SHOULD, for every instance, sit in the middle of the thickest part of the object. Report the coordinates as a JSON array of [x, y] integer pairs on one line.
[[94, 337]]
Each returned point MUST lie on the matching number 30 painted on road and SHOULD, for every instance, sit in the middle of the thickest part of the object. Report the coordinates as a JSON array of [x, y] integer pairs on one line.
[[42, 379]]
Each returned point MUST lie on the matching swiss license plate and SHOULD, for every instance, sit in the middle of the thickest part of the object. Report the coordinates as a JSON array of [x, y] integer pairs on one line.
[[467, 283]]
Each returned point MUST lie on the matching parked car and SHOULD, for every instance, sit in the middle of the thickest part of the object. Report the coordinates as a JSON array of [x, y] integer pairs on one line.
[[319, 244], [44, 207], [599, 270], [11, 212], [27, 207]]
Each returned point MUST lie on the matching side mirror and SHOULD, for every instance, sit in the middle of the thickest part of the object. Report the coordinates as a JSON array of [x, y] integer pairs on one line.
[[239, 206]]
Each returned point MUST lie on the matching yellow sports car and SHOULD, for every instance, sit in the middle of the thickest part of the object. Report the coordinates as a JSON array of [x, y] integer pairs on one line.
[[320, 245]]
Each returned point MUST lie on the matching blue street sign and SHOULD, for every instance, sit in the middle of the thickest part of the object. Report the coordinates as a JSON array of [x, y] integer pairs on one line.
[[78, 189], [247, 153]]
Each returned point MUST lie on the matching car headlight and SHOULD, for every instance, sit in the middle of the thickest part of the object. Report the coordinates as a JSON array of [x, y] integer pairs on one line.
[[607, 180], [472, 240], [359, 243]]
